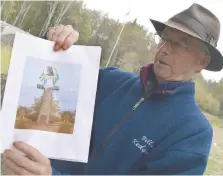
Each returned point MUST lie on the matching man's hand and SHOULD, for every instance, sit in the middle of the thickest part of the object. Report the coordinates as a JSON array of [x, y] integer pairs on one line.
[[32, 163], [63, 36]]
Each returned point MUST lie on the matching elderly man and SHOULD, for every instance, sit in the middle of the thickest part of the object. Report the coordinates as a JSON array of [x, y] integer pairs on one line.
[[146, 124]]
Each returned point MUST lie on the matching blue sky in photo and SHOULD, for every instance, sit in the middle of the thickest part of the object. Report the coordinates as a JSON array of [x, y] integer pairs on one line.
[[69, 78]]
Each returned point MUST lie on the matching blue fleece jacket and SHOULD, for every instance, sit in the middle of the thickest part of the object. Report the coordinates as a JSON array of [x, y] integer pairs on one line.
[[164, 133]]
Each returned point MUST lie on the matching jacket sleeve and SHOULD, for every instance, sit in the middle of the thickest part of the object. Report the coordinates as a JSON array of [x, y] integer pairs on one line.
[[187, 157], [44, 35], [62, 167], [110, 79], [56, 172]]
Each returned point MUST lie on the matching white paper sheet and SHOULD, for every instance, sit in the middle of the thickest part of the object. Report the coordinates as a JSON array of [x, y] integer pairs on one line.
[[78, 69]]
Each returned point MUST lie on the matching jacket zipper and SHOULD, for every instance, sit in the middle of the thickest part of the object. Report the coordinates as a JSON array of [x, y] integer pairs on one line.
[[125, 117], [116, 127], [147, 93]]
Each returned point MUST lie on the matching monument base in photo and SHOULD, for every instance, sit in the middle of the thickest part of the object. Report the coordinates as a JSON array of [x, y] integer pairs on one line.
[[48, 108], [40, 86]]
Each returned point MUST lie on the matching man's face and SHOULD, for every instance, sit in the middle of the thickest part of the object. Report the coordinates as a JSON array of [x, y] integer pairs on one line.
[[179, 58]]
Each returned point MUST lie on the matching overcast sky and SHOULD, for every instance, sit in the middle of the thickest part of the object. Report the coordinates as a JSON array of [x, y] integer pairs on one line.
[[159, 10]]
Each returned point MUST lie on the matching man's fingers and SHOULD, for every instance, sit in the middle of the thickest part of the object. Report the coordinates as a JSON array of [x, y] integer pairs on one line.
[[64, 36], [31, 152], [54, 32], [50, 33], [6, 170], [21, 161], [14, 168], [70, 40], [58, 30], [34, 163], [67, 30]]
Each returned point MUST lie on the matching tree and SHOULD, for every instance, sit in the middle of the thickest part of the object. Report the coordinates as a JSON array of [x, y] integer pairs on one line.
[[21, 112], [63, 11], [22, 11], [5, 10], [217, 91], [36, 105], [24, 15], [68, 116], [136, 46], [10, 11], [51, 9], [130, 62], [2, 5], [205, 99]]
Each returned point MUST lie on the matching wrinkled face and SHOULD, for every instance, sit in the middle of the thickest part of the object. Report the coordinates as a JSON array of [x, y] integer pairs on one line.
[[179, 56]]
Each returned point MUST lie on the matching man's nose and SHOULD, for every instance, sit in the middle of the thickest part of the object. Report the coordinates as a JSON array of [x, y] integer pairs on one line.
[[165, 48]]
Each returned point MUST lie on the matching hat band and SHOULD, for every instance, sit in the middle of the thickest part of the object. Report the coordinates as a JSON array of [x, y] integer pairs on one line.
[[196, 26]]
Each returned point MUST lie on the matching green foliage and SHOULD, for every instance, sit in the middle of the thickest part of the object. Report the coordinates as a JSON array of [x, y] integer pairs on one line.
[[214, 166], [217, 91], [68, 116], [130, 62], [36, 105], [205, 99], [135, 47], [209, 96], [95, 28], [5, 58]]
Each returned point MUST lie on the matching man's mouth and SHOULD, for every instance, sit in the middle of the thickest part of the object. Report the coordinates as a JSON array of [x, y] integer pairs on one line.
[[161, 62]]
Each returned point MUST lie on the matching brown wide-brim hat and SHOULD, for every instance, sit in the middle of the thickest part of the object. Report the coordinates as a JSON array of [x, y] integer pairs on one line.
[[200, 23]]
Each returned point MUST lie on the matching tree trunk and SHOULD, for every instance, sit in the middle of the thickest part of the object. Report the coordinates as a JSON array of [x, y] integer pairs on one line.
[[51, 11], [22, 9], [62, 12], [2, 5], [8, 11], [20, 24]]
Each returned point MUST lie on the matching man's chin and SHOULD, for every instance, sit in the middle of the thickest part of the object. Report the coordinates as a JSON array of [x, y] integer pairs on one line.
[[162, 72]]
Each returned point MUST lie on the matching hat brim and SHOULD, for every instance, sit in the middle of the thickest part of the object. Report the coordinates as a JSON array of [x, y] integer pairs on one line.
[[216, 58]]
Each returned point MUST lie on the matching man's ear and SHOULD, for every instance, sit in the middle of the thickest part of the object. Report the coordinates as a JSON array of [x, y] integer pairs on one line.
[[203, 62]]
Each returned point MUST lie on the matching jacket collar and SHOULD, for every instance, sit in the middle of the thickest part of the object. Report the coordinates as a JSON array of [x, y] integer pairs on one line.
[[150, 84]]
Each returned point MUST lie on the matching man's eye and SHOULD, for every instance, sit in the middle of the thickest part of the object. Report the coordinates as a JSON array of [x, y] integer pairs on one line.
[[180, 44], [183, 45]]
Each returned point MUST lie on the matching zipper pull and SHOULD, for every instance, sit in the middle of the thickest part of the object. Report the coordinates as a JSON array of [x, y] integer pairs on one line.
[[138, 103]]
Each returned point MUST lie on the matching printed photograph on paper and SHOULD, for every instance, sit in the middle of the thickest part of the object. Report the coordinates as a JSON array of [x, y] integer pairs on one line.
[[48, 96]]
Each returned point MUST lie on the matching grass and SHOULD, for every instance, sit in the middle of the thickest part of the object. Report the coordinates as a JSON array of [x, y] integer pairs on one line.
[[215, 160], [5, 58], [64, 123], [217, 122]]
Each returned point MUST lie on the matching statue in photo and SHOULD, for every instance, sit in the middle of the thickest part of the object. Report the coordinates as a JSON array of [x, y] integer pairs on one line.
[[49, 77], [48, 111]]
